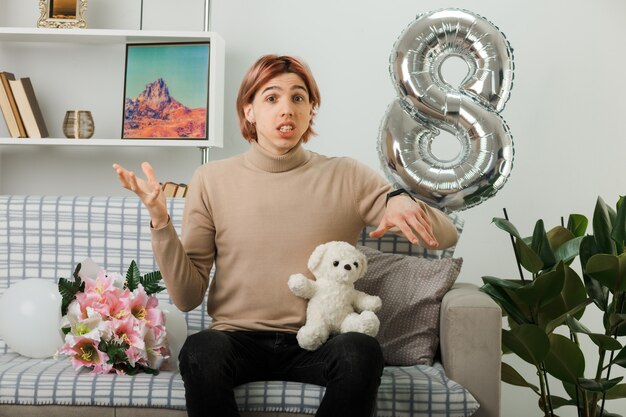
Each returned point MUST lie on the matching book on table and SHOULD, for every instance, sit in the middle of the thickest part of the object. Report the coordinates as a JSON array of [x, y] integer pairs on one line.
[[29, 108], [8, 106]]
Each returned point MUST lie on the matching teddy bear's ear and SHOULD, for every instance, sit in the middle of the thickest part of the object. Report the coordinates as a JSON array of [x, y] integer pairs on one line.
[[316, 257], [363, 262]]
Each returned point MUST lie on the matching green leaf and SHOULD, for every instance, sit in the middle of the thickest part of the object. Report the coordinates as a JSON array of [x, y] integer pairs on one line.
[[576, 327], [556, 402], [115, 350], [150, 371], [607, 414], [568, 250], [572, 390], [527, 258], [620, 359], [587, 249], [553, 324], [617, 392], [609, 270], [598, 293], [511, 376], [150, 282], [603, 219], [558, 235], [568, 301], [132, 277], [505, 300], [605, 342], [541, 245], [601, 340], [617, 324], [503, 283], [564, 361], [68, 289], [577, 224], [507, 226], [528, 342], [602, 385], [543, 289], [618, 233]]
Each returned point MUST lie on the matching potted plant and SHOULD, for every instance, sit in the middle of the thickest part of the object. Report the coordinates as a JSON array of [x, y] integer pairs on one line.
[[554, 296]]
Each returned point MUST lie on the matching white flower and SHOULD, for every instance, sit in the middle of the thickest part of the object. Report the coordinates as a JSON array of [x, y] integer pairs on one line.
[[118, 280], [88, 269]]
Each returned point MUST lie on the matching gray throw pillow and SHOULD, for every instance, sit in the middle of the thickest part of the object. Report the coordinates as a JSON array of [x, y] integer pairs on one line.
[[411, 289]]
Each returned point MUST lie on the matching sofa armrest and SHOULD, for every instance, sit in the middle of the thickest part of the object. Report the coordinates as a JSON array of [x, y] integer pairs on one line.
[[470, 334]]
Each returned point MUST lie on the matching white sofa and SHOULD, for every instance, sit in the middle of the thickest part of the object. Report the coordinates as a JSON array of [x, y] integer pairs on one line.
[[45, 236]]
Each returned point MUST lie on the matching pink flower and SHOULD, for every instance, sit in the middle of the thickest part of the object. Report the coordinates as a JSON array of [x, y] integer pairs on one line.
[[130, 331], [84, 352], [119, 304], [102, 283], [155, 317], [139, 303], [128, 325]]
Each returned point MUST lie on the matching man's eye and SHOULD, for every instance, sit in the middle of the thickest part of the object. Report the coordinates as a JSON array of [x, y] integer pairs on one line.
[[298, 98]]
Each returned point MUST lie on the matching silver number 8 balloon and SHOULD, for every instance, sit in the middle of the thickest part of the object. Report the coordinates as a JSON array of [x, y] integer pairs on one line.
[[470, 111]]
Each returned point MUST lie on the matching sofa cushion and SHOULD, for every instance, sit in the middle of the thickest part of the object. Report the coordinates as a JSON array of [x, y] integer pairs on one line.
[[404, 391], [411, 289], [393, 243]]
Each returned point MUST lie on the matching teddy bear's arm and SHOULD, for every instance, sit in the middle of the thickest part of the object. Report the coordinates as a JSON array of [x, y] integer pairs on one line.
[[366, 302], [301, 286]]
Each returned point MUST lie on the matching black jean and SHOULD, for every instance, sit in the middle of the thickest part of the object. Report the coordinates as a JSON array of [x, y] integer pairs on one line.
[[213, 362]]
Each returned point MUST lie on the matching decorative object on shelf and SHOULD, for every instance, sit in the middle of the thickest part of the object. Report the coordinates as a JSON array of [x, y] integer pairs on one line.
[[544, 311], [78, 124], [63, 14], [30, 313], [166, 91], [111, 322], [428, 103], [27, 104]]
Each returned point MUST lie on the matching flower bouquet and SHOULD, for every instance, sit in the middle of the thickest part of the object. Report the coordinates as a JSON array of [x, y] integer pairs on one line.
[[111, 323]]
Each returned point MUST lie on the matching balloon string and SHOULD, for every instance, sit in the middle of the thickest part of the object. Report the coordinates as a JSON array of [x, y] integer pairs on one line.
[[519, 265]]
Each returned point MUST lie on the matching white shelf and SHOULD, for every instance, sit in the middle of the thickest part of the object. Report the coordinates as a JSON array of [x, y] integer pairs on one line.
[[103, 36], [122, 37], [103, 142]]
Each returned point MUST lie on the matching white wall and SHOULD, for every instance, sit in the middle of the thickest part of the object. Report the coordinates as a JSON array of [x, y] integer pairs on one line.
[[565, 109]]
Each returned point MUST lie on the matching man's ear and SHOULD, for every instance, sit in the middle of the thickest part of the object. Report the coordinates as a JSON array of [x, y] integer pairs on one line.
[[248, 111]]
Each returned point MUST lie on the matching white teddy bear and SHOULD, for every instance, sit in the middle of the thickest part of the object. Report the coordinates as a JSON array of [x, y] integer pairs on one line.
[[334, 305]]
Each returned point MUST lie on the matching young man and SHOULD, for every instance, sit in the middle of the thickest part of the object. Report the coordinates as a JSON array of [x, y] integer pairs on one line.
[[258, 216]]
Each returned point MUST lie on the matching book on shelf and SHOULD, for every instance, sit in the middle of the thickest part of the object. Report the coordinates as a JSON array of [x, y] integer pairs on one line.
[[181, 191], [29, 108], [8, 106], [173, 189]]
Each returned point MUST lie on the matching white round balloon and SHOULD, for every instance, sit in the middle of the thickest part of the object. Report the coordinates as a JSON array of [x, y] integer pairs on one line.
[[30, 316], [176, 329]]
